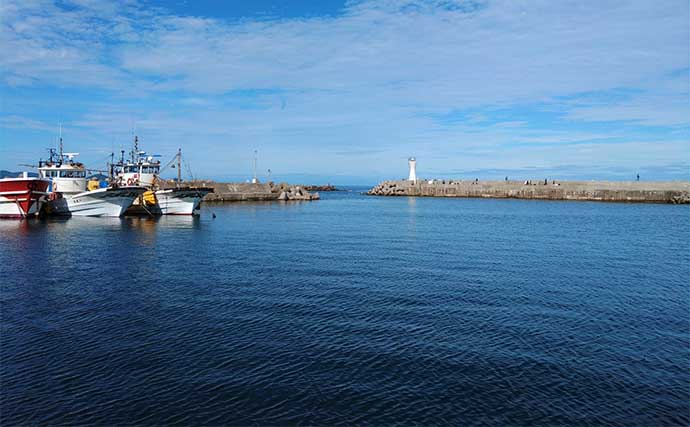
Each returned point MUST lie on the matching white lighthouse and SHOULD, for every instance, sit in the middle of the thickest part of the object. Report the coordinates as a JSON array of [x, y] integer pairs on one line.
[[413, 170]]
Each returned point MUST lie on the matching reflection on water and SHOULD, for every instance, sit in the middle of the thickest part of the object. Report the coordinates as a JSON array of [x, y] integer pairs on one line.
[[60, 241], [74, 224], [412, 216]]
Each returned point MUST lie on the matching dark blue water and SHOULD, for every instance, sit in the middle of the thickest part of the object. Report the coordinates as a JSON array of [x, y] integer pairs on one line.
[[351, 310]]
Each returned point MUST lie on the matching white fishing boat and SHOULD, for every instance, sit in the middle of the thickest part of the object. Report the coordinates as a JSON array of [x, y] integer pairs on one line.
[[69, 195], [144, 170]]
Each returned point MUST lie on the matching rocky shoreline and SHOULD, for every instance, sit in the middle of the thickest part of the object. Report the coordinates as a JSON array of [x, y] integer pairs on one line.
[[604, 191], [327, 187]]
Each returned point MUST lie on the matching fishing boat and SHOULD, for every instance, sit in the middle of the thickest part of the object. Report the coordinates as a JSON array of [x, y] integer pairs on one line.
[[144, 170], [22, 196], [69, 195]]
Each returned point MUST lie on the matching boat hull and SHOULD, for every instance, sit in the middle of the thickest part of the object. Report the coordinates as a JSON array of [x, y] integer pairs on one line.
[[22, 197], [171, 201], [181, 201], [111, 202]]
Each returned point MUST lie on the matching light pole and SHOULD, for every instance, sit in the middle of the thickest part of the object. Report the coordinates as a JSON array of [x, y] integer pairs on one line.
[[255, 180]]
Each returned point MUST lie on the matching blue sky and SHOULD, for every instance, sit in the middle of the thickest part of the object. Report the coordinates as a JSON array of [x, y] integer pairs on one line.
[[344, 92]]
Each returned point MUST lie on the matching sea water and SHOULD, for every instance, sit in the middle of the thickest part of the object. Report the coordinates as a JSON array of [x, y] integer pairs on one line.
[[350, 310]]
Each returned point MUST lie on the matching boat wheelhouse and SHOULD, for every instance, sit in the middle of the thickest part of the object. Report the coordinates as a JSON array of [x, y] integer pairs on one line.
[[140, 169], [66, 175]]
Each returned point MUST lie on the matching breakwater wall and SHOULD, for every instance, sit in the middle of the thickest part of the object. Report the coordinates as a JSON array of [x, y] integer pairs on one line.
[[246, 192], [603, 191]]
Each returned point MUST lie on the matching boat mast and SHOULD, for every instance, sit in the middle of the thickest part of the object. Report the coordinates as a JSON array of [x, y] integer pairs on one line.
[[179, 166], [135, 152], [112, 165], [60, 142]]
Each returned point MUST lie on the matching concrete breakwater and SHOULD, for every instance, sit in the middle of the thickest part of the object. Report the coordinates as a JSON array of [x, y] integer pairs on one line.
[[246, 192], [604, 191]]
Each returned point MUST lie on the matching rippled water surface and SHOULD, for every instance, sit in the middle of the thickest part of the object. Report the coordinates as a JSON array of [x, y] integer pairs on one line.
[[350, 310]]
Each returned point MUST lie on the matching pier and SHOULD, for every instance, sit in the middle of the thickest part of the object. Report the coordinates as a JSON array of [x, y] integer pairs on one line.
[[677, 192], [252, 192]]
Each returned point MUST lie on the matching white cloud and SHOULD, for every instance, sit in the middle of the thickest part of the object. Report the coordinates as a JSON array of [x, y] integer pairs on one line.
[[369, 77]]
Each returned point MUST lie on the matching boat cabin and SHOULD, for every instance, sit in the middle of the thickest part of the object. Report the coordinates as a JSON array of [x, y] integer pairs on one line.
[[143, 171], [65, 174]]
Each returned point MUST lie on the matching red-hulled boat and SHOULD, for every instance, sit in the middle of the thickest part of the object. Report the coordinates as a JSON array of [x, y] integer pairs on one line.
[[23, 196]]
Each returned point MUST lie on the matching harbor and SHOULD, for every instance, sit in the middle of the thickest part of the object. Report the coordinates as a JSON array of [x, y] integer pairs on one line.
[[344, 213]]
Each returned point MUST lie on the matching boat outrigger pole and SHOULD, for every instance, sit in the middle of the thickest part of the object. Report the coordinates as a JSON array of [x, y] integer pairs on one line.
[[179, 166]]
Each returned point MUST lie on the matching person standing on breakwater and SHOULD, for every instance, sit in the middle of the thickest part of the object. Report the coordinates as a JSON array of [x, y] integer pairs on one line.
[[638, 177]]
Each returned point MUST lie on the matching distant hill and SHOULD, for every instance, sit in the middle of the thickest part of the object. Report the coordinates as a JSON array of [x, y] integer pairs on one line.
[[98, 176], [8, 174]]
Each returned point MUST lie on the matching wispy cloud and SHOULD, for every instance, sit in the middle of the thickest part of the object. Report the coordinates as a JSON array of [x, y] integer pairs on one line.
[[371, 81]]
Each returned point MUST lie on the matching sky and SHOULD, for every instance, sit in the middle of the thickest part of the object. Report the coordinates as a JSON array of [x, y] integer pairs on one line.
[[343, 92]]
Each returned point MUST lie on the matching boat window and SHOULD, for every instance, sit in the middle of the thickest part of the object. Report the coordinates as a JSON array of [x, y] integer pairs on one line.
[[149, 169], [72, 174]]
